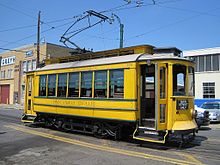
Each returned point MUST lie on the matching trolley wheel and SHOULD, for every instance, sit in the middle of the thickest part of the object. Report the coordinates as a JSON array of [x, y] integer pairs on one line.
[[100, 131]]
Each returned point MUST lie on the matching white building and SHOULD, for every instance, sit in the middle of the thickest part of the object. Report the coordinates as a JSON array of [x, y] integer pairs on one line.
[[207, 73]]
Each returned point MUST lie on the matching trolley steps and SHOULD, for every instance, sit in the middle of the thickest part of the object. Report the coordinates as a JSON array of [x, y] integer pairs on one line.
[[28, 118], [149, 135]]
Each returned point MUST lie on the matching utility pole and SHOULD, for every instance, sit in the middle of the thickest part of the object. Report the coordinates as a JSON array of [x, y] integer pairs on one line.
[[121, 31], [121, 35], [38, 40]]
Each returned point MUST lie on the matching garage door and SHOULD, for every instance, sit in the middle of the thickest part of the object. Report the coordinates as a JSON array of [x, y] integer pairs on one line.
[[4, 92]]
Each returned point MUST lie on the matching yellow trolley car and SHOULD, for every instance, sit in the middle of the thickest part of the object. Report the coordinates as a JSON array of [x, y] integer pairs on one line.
[[138, 91]]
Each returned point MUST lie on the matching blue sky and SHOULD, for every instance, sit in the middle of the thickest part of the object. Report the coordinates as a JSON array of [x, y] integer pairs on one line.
[[186, 24]]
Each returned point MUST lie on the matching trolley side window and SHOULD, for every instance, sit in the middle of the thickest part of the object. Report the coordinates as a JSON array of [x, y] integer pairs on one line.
[[62, 86], [179, 80], [52, 85], [86, 84], [100, 84], [116, 84], [73, 87], [42, 85]]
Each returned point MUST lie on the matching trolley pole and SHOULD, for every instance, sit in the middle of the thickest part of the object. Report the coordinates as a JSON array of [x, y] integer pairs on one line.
[[38, 41]]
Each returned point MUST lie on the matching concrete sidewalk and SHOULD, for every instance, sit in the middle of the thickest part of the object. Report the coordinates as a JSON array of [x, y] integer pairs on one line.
[[12, 106]]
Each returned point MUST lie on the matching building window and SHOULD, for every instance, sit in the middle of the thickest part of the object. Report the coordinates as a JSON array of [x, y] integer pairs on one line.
[[201, 64], [2, 74], [10, 71], [42, 85], [52, 85], [62, 86], [100, 84], [29, 66], [24, 65], [34, 64], [29, 53], [116, 86], [208, 63], [86, 84], [197, 64], [73, 87], [215, 62], [209, 90]]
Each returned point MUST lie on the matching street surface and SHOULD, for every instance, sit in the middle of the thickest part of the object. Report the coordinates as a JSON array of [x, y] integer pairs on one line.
[[20, 144]]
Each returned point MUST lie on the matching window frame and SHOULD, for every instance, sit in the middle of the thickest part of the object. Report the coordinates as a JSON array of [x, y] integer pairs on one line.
[[122, 93], [55, 92], [82, 85], [208, 86], [40, 86], [69, 74], [58, 84], [105, 82]]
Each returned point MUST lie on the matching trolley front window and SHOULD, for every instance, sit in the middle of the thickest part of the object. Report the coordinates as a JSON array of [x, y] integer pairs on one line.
[[42, 85], [179, 80]]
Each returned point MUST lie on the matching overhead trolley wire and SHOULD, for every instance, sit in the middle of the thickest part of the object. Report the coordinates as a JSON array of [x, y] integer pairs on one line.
[[33, 35], [18, 28], [16, 10], [170, 24]]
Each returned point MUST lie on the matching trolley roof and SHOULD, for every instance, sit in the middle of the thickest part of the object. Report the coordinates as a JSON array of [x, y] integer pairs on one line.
[[110, 60]]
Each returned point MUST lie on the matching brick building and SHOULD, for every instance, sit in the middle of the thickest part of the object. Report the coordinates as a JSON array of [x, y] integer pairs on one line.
[[14, 64]]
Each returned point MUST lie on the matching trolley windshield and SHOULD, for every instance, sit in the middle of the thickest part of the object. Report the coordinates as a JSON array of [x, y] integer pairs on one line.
[[183, 80]]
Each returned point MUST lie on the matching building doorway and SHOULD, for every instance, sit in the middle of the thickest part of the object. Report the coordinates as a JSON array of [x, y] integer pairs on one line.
[[5, 94]]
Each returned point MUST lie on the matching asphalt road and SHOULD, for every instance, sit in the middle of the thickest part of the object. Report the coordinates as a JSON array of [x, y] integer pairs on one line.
[[20, 144]]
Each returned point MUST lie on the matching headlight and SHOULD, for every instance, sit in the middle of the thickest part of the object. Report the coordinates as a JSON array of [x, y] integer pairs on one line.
[[193, 113], [182, 104], [199, 114]]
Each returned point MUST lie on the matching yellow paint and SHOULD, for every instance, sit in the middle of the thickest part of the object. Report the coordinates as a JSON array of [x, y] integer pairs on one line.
[[103, 148], [150, 140], [189, 158], [182, 125]]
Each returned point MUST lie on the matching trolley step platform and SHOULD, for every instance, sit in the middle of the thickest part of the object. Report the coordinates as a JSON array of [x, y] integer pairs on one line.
[[149, 135], [28, 118]]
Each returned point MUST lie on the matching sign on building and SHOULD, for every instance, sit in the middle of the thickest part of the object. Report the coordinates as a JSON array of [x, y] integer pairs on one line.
[[8, 61]]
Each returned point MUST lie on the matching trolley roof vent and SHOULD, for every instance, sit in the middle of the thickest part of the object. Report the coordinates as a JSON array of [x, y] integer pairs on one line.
[[172, 51], [76, 56]]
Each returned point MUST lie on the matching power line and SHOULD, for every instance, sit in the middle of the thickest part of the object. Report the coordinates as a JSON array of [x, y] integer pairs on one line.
[[12, 50], [33, 35], [60, 20], [168, 25], [18, 28], [192, 11], [29, 26], [118, 8], [21, 12]]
